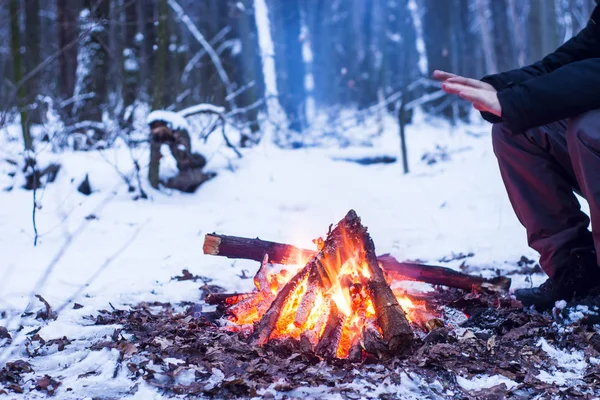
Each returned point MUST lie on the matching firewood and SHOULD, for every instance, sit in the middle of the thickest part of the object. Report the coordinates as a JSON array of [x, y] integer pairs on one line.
[[372, 341], [255, 249], [265, 327], [261, 281], [315, 270], [308, 300], [390, 317], [244, 306], [226, 299], [327, 346]]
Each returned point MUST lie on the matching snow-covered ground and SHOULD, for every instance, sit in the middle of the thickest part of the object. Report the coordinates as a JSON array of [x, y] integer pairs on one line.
[[127, 251]]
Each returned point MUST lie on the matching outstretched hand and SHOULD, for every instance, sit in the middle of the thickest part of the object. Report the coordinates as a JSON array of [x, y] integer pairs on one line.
[[482, 95]]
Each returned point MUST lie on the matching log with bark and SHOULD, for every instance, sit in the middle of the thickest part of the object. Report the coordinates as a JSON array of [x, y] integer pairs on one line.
[[279, 253]]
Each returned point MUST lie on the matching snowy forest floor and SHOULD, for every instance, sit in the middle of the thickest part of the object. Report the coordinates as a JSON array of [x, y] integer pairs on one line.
[[114, 253]]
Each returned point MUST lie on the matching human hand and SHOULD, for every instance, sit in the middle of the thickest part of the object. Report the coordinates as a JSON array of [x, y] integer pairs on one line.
[[482, 95], [448, 77]]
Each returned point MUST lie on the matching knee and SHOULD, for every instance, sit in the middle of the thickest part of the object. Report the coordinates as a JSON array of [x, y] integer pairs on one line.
[[585, 128], [500, 136]]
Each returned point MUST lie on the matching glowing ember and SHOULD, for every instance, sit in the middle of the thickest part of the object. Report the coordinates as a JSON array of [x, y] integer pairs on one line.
[[329, 302]]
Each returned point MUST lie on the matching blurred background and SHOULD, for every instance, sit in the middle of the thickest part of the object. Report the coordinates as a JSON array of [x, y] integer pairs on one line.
[[91, 61]]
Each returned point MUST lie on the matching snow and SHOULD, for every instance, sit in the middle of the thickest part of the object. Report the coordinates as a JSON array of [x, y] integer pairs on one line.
[[130, 251], [173, 119], [571, 366], [484, 382], [201, 107], [560, 304]]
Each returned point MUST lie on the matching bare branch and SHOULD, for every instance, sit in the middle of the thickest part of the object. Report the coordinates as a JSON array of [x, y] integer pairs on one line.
[[182, 16]]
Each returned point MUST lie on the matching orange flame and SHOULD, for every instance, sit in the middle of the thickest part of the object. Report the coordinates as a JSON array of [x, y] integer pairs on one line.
[[342, 283]]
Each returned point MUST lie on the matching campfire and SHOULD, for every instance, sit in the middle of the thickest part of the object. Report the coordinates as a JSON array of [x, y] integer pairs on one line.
[[336, 302]]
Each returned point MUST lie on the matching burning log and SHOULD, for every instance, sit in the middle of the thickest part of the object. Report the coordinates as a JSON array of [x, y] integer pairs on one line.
[[267, 323], [332, 334], [325, 305], [255, 249], [308, 300], [390, 316], [226, 299]]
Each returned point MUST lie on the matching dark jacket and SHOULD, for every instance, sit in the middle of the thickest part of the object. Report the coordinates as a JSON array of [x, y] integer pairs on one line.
[[564, 84]]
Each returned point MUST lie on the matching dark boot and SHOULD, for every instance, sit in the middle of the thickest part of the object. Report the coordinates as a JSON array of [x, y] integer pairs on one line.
[[581, 277]]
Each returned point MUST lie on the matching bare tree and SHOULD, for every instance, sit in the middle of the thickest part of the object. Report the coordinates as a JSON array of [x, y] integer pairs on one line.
[[67, 27], [484, 15], [15, 46]]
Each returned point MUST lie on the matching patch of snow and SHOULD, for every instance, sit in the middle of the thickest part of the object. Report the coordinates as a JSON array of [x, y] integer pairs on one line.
[[580, 312], [560, 304], [484, 382], [130, 65], [201, 107], [215, 379], [174, 120], [236, 47], [186, 377], [570, 365]]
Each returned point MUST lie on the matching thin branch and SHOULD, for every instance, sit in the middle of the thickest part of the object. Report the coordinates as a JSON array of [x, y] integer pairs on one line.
[[35, 206], [182, 16], [425, 99], [198, 56], [235, 94], [104, 265]]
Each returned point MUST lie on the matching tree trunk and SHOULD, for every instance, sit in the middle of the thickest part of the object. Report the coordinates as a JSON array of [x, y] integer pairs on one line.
[[542, 37], [489, 51], [503, 36], [160, 63], [132, 62], [263, 19], [158, 93], [319, 23], [438, 30], [367, 77], [249, 62], [93, 66], [145, 25], [32, 55], [67, 13], [400, 65], [15, 50], [516, 21], [285, 26], [115, 33]]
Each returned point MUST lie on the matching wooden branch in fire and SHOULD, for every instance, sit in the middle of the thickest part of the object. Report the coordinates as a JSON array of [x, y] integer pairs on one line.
[[279, 253]]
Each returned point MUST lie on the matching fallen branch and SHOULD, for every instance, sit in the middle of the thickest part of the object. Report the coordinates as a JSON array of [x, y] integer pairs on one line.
[[279, 253]]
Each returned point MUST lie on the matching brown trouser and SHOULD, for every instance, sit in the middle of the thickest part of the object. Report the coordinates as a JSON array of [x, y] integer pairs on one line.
[[541, 169]]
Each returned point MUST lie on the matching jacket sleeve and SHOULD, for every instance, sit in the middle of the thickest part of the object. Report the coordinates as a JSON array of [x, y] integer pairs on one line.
[[524, 89], [566, 92], [585, 44]]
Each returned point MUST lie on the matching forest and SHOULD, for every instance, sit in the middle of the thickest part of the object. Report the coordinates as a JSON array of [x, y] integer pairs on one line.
[[90, 63], [283, 199]]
